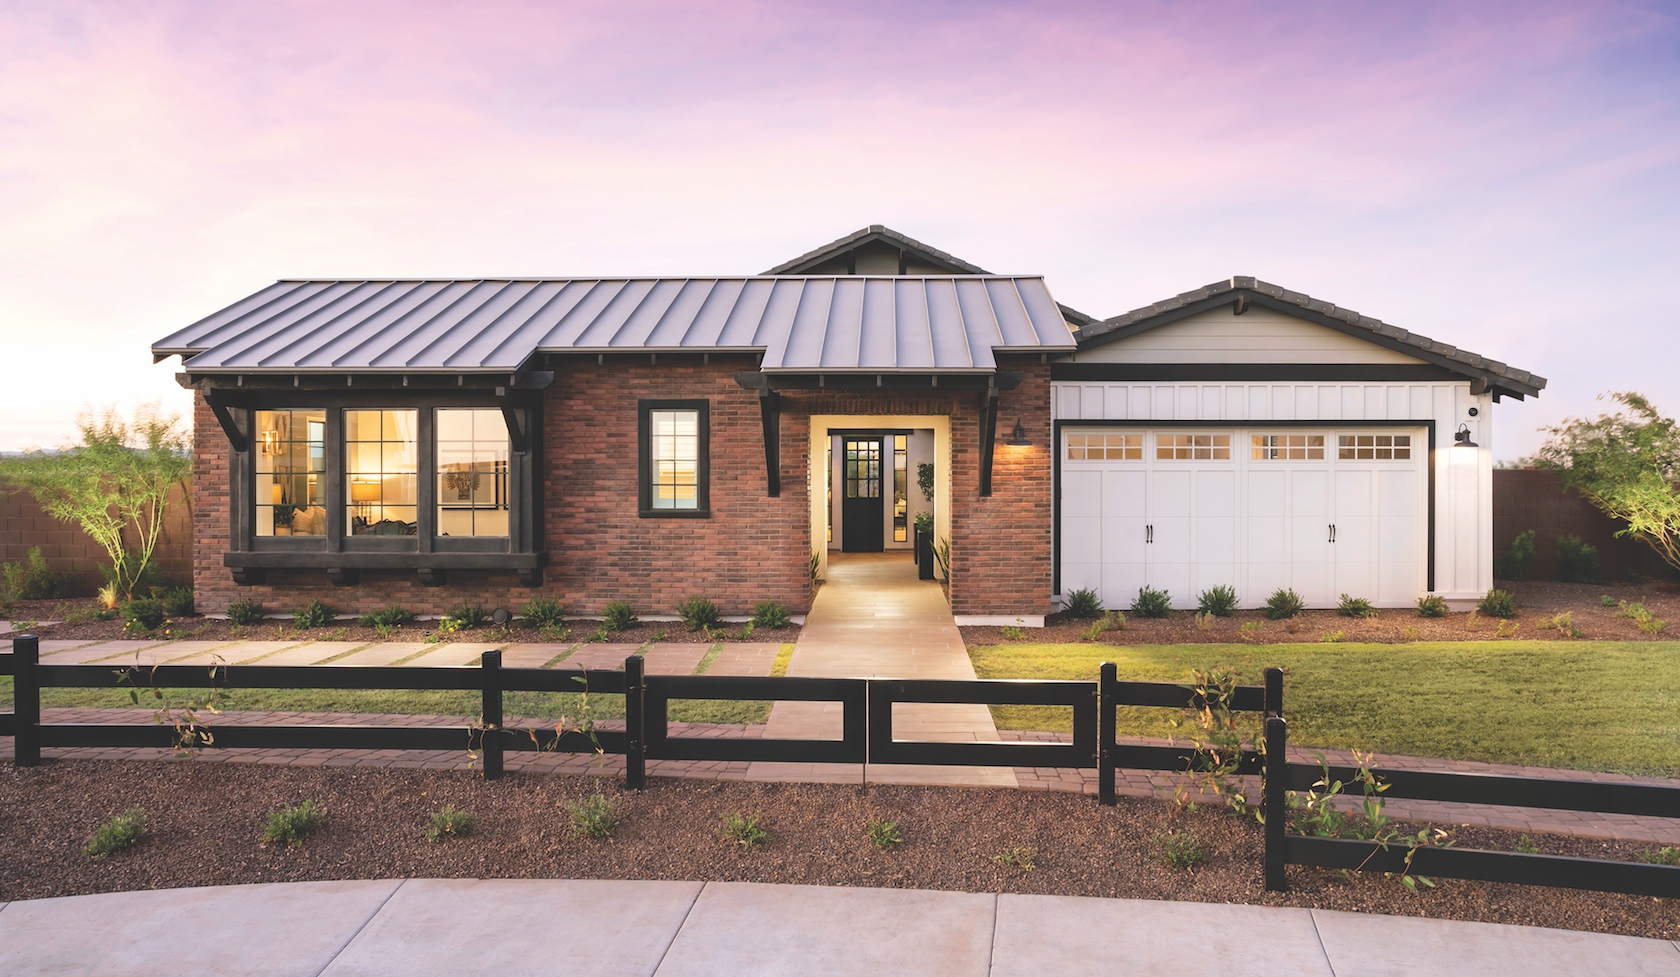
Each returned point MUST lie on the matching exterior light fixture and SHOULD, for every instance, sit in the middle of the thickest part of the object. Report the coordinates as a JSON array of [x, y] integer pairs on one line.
[[1461, 437], [1018, 437]]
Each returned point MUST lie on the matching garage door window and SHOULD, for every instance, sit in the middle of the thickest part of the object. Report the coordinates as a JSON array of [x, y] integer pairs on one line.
[[1105, 447], [1193, 447], [1374, 447], [1287, 447]]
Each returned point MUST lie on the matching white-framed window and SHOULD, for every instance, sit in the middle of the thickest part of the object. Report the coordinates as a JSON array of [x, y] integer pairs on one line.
[[1104, 447], [1286, 447], [1193, 447], [1374, 447]]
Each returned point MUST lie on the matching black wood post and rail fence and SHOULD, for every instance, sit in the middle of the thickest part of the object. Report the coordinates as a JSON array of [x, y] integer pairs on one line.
[[866, 737]]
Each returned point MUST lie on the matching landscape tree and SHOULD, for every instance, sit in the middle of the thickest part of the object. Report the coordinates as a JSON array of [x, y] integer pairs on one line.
[[1626, 464], [121, 473]]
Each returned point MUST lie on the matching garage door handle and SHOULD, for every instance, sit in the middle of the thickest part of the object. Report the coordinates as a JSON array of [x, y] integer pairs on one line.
[[1149, 533], [1332, 532]]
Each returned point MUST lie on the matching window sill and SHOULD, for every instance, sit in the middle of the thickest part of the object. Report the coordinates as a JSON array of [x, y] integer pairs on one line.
[[675, 513], [342, 568]]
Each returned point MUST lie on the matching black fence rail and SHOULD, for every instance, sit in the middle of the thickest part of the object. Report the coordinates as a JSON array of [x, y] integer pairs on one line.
[[1634, 878]]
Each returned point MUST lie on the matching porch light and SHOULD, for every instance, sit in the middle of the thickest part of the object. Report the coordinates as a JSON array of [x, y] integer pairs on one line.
[[1018, 437], [1461, 437]]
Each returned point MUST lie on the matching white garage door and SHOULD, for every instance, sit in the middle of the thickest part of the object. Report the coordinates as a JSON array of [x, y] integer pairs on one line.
[[1325, 512]]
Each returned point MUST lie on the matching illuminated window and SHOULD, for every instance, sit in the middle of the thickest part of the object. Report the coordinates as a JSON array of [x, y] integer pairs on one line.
[[901, 485], [291, 458], [1104, 447], [472, 471], [381, 460], [1193, 447], [1287, 447], [1374, 447], [674, 464]]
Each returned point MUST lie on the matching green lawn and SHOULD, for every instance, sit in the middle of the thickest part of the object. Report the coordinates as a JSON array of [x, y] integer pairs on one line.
[[1587, 705]]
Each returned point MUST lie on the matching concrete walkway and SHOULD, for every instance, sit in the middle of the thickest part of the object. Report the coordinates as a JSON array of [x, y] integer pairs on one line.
[[731, 929], [874, 619]]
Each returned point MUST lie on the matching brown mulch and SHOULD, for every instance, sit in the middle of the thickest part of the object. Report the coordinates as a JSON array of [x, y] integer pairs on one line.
[[346, 629], [1537, 600], [205, 823]]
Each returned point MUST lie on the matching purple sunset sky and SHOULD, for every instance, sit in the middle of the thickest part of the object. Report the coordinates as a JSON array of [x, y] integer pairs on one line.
[[1502, 177]]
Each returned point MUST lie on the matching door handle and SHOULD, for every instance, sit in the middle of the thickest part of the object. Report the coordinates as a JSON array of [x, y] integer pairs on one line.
[[1149, 533], [1332, 532]]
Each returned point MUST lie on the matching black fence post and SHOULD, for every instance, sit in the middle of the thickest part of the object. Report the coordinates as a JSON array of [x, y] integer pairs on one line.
[[491, 674], [1274, 692], [1105, 734], [1276, 801], [635, 736], [26, 698]]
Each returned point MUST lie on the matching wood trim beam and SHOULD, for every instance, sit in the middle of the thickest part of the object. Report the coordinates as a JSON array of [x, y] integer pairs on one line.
[[770, 413], [239, 437], [988, 438]]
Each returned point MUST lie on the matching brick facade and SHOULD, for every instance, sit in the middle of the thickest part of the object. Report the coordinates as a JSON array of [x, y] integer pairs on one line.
[[752, 548]]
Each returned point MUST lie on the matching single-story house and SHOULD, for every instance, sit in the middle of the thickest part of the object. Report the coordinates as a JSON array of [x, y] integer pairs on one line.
[[427, 442]]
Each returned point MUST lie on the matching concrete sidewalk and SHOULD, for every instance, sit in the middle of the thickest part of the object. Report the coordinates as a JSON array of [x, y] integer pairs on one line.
[[690, 929]]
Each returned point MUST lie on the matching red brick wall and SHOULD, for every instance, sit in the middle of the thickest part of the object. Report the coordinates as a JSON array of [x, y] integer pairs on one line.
[[23, 525], [1527, 498], [752, 548]]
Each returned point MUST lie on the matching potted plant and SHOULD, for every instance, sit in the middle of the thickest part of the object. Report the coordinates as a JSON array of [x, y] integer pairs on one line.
[[924, 545]]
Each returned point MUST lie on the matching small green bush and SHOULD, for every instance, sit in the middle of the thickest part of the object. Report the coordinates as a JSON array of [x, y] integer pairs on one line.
[[1152, 603], [769, 614], [32, 578], [595, 816], [1084, 603], [116, 834], [1513, 564], [176, 601], [1180, 849], [394, 616], [1355, 607], [1667, 855], [697, 613], [1433, 605], [619, 615], [1333, 637], [884, 834], [449, 822], [244, 612], [1498, 603], [744, 830], [1021, 857], [292, 822], [543, 612], [1577, 561], [1641, 616], [1605, 600], [468, 615], [1284, 602], [1220, 601], [144, 613], [316, 614]]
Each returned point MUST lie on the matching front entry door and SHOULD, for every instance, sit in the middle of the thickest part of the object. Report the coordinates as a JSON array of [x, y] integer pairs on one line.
[[861, 512]]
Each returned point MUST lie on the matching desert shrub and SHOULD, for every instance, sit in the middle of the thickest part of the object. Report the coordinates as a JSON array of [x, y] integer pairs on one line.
[[1284, 602], [116, 834], [1433, 605], [1084, 602], [468, 615], [144, 613], [744, 830], [1498, 603], [1577, 561], [316, 614], [1605, 600], [1021, 857], [1355, 607], [543, 612], [176, 601], [449, 822], [1641, 616], [619, 615], [292, 822], [1152, 603], [1333, 637], [1513, 564], [595, 816], [1220, 601], [769, 614], [1180, 849], [32, 579], [884, 834], [697, 613], [394, 616], [1563, 624], [244, 612]]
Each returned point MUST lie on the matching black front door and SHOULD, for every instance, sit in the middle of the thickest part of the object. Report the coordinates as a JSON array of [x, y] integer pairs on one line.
[[861, 514]]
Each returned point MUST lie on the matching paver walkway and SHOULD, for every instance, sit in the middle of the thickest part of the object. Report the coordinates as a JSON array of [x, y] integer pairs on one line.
[[874, 619], [699, 929]]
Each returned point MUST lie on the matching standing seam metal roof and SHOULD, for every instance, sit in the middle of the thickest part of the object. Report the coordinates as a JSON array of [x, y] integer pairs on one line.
[[800, 324]]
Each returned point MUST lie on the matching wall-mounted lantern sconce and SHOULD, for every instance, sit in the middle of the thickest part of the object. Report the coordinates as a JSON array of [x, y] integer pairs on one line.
[[1018, 437], [1461, 437]]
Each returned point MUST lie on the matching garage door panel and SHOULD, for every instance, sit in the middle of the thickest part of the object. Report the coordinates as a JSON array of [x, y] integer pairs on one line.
[[1309, 536]]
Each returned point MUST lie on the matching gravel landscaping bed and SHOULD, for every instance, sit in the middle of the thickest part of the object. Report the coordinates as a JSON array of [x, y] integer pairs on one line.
[[205, 822], [1537, 601]]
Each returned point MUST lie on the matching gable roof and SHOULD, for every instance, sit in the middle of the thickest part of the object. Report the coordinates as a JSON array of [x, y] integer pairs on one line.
[[798, 324], [922, 252], [1501, 377]]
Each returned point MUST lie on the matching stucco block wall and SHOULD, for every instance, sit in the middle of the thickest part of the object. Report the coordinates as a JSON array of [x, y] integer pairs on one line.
[[1525, 499], [69, 550]]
